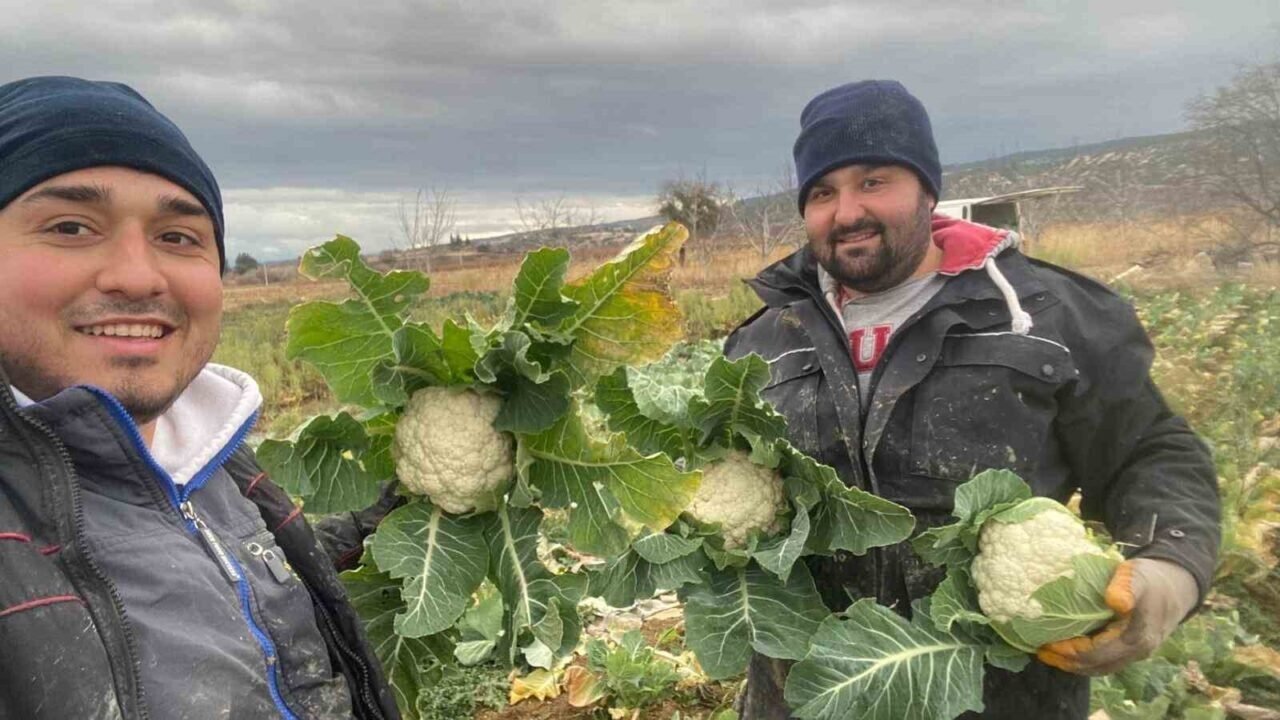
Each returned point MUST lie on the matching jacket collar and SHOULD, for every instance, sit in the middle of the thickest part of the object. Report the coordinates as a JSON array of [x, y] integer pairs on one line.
[[211, 417]]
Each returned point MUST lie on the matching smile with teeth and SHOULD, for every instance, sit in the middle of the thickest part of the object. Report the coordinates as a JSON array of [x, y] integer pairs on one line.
[[131, 330]]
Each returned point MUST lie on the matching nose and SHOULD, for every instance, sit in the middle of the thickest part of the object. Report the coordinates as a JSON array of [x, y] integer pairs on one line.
[[131, 267], [849, 208]]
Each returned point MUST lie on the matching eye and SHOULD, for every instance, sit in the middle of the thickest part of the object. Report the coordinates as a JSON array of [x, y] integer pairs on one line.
[[872, 182], [818, 193], [68, 227], [180, 239]]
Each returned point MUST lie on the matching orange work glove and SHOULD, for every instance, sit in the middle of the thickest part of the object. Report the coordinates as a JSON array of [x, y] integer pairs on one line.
[[1150, 598]]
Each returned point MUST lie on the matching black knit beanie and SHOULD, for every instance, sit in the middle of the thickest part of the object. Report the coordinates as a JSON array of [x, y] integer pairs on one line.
[[55, 125], [872, 121]]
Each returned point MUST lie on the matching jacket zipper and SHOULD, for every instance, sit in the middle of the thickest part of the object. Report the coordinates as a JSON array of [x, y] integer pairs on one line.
[[82, 546], [366, 686], [226, 561]]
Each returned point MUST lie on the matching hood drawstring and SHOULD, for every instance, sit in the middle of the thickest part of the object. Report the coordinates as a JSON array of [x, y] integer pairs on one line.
[[1020, 319]]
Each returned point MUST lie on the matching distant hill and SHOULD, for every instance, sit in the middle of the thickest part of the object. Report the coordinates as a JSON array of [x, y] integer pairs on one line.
[[1121, 179]]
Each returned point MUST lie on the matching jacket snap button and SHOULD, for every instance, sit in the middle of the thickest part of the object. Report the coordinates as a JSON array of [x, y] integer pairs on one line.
[[921, 357], [1046, 370], [1176, 533], [842, 556]]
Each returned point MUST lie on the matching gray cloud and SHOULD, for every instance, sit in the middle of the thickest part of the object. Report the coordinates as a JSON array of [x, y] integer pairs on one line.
[[320, 113]]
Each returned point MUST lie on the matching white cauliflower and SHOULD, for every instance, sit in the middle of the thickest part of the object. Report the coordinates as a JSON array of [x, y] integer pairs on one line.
[[740, 496], [446, 448], [1016, 558]]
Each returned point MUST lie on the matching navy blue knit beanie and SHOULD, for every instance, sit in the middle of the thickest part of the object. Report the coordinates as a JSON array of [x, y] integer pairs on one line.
[[872, 121], [55, 125]]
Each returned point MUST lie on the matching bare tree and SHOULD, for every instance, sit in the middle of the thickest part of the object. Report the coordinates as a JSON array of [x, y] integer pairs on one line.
[[770, 219], [696, 203], [550, 218], [427, 221], [1241, 124]]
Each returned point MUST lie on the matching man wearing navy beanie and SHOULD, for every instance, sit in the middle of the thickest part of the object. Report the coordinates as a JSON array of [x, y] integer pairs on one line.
[[137, 533], [911, 351]]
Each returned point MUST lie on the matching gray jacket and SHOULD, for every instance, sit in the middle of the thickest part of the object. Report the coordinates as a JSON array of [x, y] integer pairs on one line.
[[216, 619]]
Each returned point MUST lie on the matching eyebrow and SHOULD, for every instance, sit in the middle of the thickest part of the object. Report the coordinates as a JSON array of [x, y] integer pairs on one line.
[[95, 194], [99, 195], [177, 206]]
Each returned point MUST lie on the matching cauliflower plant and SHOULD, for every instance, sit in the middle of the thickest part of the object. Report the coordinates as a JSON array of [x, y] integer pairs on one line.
[[1015, 558], [741, 496], [446, 448]]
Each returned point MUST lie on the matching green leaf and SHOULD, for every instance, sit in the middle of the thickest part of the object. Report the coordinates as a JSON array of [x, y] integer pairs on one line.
[[529, 592], [532, 407], [616, 399], [347, 341], [407, 662], [875, 665], [747, 609], [421, 358], [629, 577], [625, 312], [942, 546], [664, 547], [480, 628], [955, 600], [779, 554], [987, 490], [508, 355], [512, 534], [1071, 605], [600, 482], [659, 398], [988, 493], [536, 296], [848, 518], [731, 402], [326, 465], [441, 558]]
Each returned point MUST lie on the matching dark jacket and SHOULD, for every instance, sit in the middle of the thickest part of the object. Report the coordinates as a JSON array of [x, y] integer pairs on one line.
[[70, 647], [1068, 406]]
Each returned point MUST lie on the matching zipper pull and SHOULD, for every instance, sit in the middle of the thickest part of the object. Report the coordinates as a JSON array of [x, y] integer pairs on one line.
[[276, 564], [211, 543]]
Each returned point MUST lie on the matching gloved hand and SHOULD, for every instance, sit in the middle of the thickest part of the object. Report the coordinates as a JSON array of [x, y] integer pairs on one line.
[[1150, 598]]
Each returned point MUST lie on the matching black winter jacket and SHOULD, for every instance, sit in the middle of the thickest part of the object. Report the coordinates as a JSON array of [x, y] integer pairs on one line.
[[1069, 406], [66, 646]]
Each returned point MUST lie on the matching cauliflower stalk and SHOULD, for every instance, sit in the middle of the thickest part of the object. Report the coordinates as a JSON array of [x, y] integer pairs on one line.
[[741, 497], [446, 448], [1022, 550]]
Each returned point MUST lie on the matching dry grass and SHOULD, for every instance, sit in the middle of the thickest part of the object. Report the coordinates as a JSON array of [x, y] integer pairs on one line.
[[1171, 254], [716, 275]]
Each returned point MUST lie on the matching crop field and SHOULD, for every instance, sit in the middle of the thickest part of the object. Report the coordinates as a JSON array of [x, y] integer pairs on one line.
[[1217, 337]]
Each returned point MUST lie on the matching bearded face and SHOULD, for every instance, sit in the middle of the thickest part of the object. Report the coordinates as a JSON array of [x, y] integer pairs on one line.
[[869, 226]]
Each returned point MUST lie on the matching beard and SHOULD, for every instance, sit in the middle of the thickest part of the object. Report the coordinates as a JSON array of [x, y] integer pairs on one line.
[[877, 268]]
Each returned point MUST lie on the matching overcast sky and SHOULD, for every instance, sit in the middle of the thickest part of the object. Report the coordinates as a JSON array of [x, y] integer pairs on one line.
[[317, 115]]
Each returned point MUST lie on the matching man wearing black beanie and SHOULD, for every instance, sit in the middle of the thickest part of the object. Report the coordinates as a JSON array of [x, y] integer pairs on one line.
[[910, 351], [149, 568]]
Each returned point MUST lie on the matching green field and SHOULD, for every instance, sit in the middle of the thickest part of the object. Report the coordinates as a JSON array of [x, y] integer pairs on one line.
[[1218, 363]]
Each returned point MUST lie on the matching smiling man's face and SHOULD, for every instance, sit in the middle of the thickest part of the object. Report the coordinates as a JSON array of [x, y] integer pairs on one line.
[[869, 225], [108, 277]]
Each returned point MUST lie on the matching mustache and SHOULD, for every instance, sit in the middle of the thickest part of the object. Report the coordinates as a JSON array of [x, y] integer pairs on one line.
[[87, 315], [839, 232]]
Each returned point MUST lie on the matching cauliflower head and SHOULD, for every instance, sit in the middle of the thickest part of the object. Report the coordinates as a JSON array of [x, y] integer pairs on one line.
[[1015, 558], [741, 496], [446, 448]]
